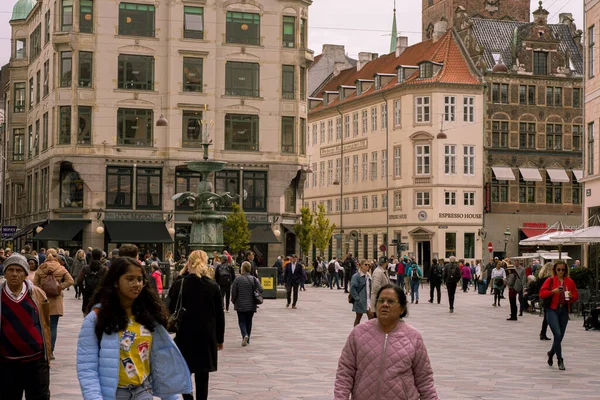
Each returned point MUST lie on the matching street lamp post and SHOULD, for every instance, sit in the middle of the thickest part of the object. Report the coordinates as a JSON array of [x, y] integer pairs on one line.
[[507, 236]]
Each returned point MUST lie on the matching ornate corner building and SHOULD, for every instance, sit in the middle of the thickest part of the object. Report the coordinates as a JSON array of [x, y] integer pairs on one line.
[[106, 101], [534, 126]]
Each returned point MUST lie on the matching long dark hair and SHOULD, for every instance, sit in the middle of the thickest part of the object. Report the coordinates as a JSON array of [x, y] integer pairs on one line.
[[147, 308]]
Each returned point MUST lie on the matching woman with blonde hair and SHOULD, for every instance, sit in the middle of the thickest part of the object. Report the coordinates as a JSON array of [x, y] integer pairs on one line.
[[202, 326], [79, 263], [544, 273]]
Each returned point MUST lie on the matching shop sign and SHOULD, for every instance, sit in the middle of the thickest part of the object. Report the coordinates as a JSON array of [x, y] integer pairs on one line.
[[348, 147], [540, 225], [8, 231], [488, 198], [267, 283], [398, 216], [459, 215], [129, 216]]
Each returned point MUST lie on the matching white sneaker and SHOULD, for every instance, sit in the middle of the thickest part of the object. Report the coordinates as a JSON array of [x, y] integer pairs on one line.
[[245, 341]]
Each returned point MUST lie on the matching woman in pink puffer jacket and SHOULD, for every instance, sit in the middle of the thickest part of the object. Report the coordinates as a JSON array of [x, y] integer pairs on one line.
[[385, 358]]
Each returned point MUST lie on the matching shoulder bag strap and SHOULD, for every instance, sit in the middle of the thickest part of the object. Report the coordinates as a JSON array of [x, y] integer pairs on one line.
[[179, 303]]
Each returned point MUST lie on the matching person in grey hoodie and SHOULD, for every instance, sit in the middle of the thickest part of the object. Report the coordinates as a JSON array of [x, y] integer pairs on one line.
[[380, 278]]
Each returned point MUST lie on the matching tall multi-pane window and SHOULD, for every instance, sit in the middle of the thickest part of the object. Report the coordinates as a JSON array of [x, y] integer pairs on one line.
[[243, 28], [575, 190], [450, 108], [527, 135], [422, 109], [355, 124], [468, 109], [338, 128], [422, 152], [450, 159], [193, 22], [384, 201], [314, 175], [577, 101], [322, 174], [554, 137], [242, 79], [355, 168], [45, 131], [397, 112], [191, 129], [526, 191], [554, 96], [19, 97], [38, 88], [31, 98], [46, 77], [136, 19], [384, 116], [346, 204], [192, 74], [20, 48], [148, 188], [553, 191], [186, 181], [365, 122], [469, 245], [18, 153], [322, 131], [303, 136], [526, 95], [119, 187], [373, 165], [136, 72], [577, 131], [499, 191], [384, 157], [289, 31], [288, 82], [134, 127], [86, 16], [374, 202], [66, 16], [450, 198], [338, 168], [397, 162], [30, 142], [365, 202], [64, 125], [346, 170], [85, 69], [469, 198], [241, 132], [329, 172], [398, 199], [373, 119], [423, 199], [84, 129], [500, 93], [365, 166], [347, 126], [540, 63], [302, 83], [469, 160], [288, 144], [329, 131], [47, 28], [450, 244], [36, 139], [590, 148], [591, 39], [44, 190], [499, 133], [314, 134]]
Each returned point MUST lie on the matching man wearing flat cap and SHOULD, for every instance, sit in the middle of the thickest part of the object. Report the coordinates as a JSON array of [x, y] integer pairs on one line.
[[24, 334]]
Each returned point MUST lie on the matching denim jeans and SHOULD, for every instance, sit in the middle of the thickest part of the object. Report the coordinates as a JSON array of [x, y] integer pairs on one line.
[[53, 329], [557, 320], [414, 289], [245, 322], [400, 280], [333, 277]]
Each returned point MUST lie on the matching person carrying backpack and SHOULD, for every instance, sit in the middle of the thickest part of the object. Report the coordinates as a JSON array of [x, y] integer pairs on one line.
[[350, 269], [224, 276], [332, 269], [436, 273], [451, 277], [415, 274], [89, 278]]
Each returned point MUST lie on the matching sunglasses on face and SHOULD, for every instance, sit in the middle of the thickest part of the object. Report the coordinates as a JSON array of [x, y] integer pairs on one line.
[[560, 269]]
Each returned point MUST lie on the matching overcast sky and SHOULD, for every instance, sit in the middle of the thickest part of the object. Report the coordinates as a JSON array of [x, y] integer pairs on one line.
[[360, 25]]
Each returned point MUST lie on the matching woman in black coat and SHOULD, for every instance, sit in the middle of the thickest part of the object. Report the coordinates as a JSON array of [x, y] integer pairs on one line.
[[242, 297], [201, 333]]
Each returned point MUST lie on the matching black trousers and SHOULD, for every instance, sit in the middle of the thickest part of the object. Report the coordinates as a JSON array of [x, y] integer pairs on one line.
[[435, 286], [513, 306], [347, 278], [465, 284], [522, 302], [225, 292], [289, 293], [201, 381], [451, 293], [544, 331], [31, 377]]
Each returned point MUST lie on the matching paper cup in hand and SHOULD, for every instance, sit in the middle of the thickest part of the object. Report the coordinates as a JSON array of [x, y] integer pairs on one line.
[[567, 295]]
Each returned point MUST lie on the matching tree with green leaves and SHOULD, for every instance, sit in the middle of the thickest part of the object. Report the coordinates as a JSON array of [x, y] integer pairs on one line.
[[322, 229], [236, 232], [304, 230]]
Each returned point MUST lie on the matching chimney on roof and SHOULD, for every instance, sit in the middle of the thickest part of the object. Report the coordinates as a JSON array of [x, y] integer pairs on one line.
[[439, 29], [364, 58], [401, 45], [338, 67]]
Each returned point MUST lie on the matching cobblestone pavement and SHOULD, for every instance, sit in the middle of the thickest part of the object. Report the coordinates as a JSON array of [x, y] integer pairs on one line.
[[475, 352]]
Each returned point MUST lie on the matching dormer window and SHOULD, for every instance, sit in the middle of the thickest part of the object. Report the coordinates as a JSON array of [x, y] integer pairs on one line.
[[401, 75], [325, 98], [377, 82], [342, 94], [359, 89], [425, 70], [540, 63]]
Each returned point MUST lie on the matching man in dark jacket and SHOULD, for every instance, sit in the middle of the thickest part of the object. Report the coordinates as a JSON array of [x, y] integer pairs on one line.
[[350, 269], [224, 276], [436, 273], [488, 273], [451, 276], [292, 276], [250, 259]]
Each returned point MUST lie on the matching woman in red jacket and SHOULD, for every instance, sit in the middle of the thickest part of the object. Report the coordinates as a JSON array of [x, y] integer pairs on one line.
[[563, 292]]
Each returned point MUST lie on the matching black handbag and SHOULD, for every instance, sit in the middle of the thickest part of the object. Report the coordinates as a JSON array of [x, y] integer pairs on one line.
[[548, 300], [258, 299], [175, 319]]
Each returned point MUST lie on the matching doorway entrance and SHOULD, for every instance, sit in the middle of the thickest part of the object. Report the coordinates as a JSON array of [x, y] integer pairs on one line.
[[424, 255]]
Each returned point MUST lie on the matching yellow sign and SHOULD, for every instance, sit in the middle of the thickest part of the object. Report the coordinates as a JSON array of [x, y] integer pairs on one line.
[[267, 283]]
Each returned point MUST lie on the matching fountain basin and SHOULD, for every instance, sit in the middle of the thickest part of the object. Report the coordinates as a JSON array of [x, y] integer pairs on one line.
[[205, 166]]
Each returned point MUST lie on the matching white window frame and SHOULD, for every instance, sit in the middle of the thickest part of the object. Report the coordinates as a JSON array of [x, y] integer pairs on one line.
[[365, 203], [337, 205], [450, 159], [449, 108], [322, 131], [422, 109], [397, 162], [383, 163], [373, 119], [329, 131], [469, 109], [329, 172], [347, 126], [398, 200], [365, 166], [346, 170], [423, 199], [338, 128], [384, 201], [338, 167], [329, 207], [373, 165], [355, 168], [365, 122], [355, 203], [322, 174], [469, 198], [450, 198], [314, 175], [422, 159], [355, 124], [397, 112], [346, 204], [469, 160], [314, 134], [374, 202], [384, 116], [314, 206]]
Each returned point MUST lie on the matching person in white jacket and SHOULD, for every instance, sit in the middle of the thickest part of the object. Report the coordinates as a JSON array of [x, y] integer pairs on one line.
[[498, 281]]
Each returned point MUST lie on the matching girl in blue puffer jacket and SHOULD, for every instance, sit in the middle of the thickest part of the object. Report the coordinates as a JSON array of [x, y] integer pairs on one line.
[[124, 350]]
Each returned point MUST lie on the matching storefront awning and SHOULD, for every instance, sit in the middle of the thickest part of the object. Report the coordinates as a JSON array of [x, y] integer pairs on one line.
[[531, 174], [531, 232], [138, 232], [558, 175], [578, 174], [28, 229], [503, 173], [263, 234], [289, 227], [62, 229]]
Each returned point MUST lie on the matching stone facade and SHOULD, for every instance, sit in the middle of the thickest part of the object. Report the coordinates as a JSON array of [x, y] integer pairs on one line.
[[209, 64]]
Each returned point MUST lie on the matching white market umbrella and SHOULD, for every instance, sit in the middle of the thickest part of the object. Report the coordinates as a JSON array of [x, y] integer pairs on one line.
[[547, 239]]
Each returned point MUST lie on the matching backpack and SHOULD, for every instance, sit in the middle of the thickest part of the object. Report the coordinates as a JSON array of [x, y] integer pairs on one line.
[[415, 273], [453, 273], [224, 275], [331, 268], [51, 286], [90, 281], [320, 267], [347, 265], [438, 272]]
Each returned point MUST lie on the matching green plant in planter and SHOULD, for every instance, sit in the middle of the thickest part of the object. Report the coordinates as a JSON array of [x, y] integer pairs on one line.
[[583, 277]]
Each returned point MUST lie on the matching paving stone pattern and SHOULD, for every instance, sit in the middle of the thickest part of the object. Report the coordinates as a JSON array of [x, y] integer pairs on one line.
[[293, 354]]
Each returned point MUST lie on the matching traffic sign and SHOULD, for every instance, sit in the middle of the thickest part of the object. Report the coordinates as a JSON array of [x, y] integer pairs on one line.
[[382, 247], [490, 247]]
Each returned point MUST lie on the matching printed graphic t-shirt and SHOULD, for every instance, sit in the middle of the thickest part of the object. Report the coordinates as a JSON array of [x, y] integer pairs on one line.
[[135, 343]]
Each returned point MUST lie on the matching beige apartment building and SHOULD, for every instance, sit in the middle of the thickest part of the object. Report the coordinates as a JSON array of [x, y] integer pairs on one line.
[[107, 100], [591, 179], [396, 151]]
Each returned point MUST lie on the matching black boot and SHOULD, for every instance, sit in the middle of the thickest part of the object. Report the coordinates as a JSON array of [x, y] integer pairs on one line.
[[544, 337], [550, 356], [561, 364]]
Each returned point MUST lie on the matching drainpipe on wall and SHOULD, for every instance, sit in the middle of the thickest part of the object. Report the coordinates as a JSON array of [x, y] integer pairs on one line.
[[485, 194], [387, 173], [341, 178]]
